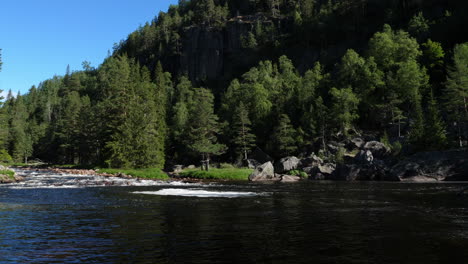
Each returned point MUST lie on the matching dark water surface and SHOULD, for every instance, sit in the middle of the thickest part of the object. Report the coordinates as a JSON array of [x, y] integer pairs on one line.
[[309, 222]]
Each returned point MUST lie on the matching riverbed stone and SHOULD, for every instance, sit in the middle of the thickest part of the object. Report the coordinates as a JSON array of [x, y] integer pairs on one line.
[[290, 178]]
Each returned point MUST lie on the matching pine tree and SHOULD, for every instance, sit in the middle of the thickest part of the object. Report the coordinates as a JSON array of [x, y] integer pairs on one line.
[[20, 140], [204, 127], [457, 90], [283, 137], [243, 139], [434, 130], [417, 127], [344, 108]]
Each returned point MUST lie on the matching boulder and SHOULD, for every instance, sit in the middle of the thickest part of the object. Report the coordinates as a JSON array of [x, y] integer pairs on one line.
[[6, 179], [177, 168], [327, 168], [287, 164], [378, 149], [191, 167], [333, 146], [355, 143], [312, 161], [364, 157], [347, 172], [290, 178], [264, 172]]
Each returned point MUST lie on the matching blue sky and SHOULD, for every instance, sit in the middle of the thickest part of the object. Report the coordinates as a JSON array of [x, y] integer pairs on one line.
[[39, 38]]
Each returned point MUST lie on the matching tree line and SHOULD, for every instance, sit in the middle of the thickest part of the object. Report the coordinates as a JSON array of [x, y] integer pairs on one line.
[[134, 112]]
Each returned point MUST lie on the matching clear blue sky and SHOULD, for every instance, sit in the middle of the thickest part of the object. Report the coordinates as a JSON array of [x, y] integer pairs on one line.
[[39, 38]]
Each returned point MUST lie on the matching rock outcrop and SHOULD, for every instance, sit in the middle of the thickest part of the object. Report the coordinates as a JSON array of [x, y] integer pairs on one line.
[[433, 166]]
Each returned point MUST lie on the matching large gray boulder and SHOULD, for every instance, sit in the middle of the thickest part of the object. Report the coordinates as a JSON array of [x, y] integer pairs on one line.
[[287, 164], [264, 172], [378, 149], [323, 172], [327, 168]]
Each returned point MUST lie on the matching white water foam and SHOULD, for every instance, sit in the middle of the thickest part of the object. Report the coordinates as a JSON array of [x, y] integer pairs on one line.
[[40, 180], [199, 193]]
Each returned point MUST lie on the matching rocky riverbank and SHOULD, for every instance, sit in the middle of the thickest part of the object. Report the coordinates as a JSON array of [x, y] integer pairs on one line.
[[372, 162], [8, 175]]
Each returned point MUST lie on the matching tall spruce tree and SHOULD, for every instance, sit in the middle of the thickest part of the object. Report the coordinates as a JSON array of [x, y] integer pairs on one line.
[[243, 139], [204, 127], [283, 138], [344, 108], [434, 131], [457, 91]]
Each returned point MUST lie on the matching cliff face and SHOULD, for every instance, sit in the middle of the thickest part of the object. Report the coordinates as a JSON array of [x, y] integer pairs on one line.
[[206, 50], [216, 54]]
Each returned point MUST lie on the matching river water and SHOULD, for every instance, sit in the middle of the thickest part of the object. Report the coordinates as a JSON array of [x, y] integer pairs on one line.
[[54, 218]]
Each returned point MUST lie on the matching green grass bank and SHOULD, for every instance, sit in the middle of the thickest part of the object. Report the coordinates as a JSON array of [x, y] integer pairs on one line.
[[234, 174]]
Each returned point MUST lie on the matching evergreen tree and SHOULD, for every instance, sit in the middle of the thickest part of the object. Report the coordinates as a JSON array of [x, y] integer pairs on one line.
[[283, 137], [417, 127], [457, 90], [419, 26], [204, 127], [344, 107], [20, 142], [243, 139], [434, 131]]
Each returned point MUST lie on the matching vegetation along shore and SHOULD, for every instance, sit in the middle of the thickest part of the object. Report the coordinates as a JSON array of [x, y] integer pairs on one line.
[[334, 90]]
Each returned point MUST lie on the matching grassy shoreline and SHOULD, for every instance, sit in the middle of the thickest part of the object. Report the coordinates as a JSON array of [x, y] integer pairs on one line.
[[225, 174], [217, 174]]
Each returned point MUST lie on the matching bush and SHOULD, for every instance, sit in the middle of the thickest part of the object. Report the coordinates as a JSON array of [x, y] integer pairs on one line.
[[9, 173], [5, 157], [384, 139], [397, 148], [339, 156], [226, 166], [299, 173]]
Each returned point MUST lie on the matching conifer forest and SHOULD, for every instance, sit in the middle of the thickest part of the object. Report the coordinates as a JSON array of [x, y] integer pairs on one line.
[[217, 79]]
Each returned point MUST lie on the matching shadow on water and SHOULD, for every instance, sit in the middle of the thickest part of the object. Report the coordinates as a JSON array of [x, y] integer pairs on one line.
[[310, 222]]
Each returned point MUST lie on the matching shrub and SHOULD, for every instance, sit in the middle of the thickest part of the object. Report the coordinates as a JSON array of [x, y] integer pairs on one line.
[[397, 148], [5, 157], [299, 173], [226, 166]]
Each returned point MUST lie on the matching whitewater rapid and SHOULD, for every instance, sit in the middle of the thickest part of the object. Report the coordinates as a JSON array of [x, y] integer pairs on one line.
[[34, 179]]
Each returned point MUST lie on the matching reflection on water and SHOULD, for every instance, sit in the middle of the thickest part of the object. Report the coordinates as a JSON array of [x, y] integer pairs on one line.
[[311, 222]]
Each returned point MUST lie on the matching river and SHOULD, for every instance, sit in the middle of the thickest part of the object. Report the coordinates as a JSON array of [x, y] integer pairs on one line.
[[55, 218]]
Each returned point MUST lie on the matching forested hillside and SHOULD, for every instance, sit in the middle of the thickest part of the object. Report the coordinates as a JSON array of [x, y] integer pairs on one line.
[[222, 77]]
